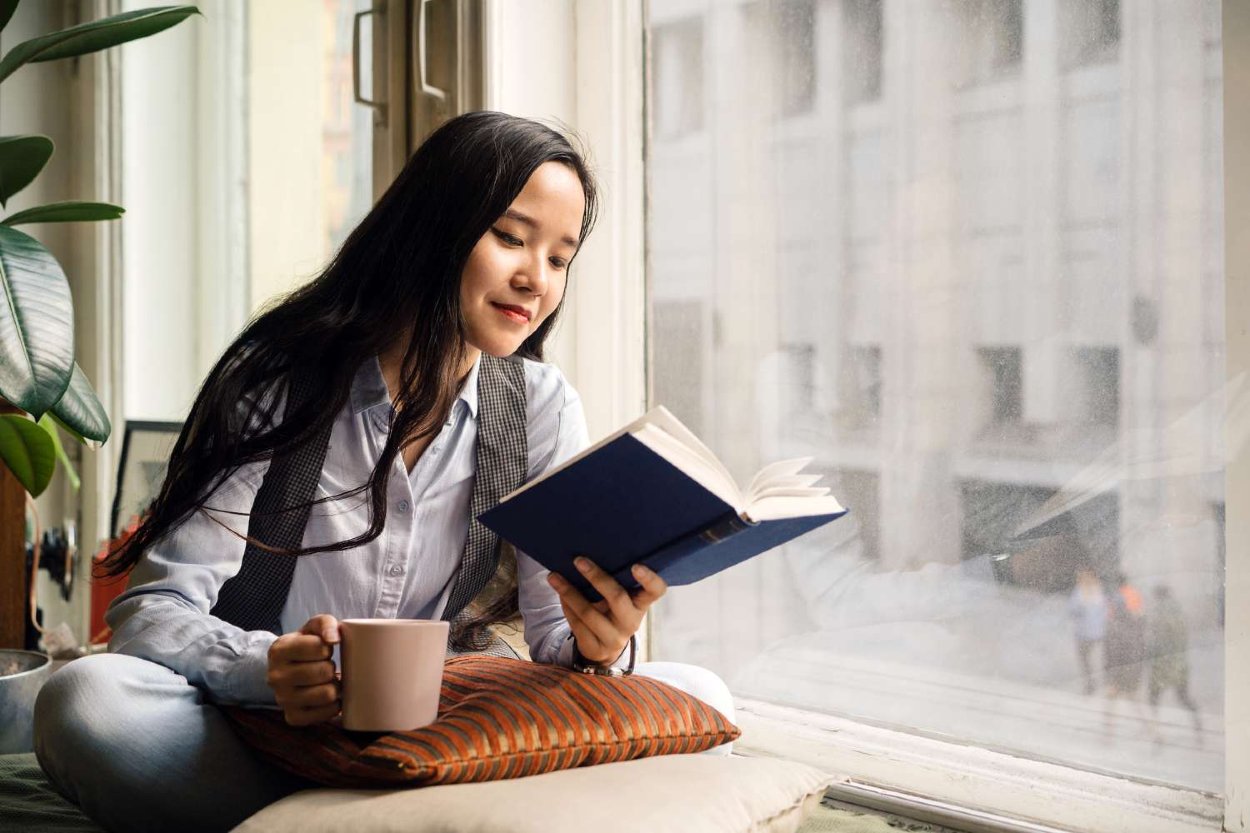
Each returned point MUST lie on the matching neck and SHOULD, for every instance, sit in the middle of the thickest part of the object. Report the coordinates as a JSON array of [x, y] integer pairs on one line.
[[392, 361]]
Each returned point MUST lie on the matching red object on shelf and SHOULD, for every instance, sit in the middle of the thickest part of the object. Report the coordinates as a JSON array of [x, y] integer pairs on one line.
[[104, 589]]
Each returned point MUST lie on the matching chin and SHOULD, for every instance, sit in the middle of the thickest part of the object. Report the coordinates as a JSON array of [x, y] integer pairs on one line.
[[499, 345]]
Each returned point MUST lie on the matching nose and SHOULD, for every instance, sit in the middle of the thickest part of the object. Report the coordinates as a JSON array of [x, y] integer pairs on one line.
[[534, 276]]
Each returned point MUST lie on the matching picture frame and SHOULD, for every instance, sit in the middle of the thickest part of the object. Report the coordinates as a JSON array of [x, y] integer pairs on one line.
[[146, 446]]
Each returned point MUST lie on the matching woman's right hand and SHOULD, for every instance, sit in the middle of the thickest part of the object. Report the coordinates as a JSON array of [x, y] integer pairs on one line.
[[301, 672]]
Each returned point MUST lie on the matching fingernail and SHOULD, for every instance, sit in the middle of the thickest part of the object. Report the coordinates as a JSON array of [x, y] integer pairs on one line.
[[330, 636], [582, 563], [641, 570], [555, 580]]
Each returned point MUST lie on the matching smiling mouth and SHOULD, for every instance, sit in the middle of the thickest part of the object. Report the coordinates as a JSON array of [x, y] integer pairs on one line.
[[516, 314]]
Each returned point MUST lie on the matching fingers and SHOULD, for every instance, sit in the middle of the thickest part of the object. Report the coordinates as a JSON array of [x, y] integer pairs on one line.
[[298, 674], [577, 606], [600, 637], [299, 647], [323, 625], [311, 705], [302, 674], [653, 587], [308, 717], [590, 644], [617, 597], [314, 641], [602, 628]]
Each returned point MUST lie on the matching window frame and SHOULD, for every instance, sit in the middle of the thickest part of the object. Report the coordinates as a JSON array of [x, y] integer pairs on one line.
[[602, 348]]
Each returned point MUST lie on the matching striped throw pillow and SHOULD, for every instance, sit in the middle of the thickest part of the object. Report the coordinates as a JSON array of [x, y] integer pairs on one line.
[[497, 718]]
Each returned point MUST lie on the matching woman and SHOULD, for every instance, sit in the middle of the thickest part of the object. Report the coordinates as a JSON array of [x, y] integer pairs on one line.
[[377, 365]]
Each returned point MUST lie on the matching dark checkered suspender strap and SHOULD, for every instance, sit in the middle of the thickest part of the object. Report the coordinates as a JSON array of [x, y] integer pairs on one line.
[[253, 599], [502, 463]]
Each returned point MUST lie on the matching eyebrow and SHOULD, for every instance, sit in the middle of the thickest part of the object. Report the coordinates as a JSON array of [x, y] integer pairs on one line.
[[525, 219]]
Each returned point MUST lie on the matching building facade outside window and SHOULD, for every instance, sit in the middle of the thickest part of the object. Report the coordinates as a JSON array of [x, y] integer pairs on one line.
[[981, 282]]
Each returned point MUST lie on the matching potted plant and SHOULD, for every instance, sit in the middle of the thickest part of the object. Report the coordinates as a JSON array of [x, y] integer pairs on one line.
[[41, 385]]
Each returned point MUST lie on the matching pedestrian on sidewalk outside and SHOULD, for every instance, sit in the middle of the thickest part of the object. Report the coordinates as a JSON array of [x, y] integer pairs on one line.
[[1088, 606], [1125, 649], [1168, 642]]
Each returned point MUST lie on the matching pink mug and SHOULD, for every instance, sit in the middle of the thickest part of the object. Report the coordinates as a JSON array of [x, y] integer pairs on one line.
[[392, 671]]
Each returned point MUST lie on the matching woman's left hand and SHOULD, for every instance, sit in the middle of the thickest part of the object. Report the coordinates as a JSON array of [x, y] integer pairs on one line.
[[603, 628]]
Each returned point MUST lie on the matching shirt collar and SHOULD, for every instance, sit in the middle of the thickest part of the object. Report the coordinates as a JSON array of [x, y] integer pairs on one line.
[[468, 393], [369, 387]]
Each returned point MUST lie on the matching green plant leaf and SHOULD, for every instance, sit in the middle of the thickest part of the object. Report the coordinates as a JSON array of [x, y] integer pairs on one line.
[[7, 7], [28, 452], [65, 212], [36, 324], [21, 160], [94, 36], [80, 411], [48, 424]]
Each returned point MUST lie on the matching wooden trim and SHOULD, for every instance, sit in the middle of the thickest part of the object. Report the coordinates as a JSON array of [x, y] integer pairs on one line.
[[13, 579]]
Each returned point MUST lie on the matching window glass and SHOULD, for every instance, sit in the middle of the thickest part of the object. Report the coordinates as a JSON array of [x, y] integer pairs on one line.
[[246, 162], [346, 127], [969, 257], [311, 144]]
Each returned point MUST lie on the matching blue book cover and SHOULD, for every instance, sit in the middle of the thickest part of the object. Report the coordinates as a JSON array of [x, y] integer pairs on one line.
[[624, 502]]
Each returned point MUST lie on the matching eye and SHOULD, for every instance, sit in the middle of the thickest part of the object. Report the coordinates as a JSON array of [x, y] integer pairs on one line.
[[509, 239], [559, 263]]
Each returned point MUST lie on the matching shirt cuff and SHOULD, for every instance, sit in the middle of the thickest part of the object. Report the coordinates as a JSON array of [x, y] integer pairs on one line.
[[565, 655], [248, 683]]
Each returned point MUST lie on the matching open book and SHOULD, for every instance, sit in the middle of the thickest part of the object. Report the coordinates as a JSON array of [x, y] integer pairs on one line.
[[652, 493]]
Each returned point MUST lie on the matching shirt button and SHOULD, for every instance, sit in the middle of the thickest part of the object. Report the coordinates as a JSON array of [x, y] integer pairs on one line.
[[403, 506], [397, 570]]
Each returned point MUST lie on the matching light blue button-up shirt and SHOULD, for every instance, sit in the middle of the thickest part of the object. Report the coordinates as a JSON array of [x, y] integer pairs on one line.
[[163, 616]]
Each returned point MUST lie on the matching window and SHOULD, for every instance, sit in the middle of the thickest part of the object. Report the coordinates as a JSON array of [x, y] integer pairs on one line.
[[1098, 376], [1089, 31], [679, 381], [247, 212], [862, 50], [800, 377], [793, 27], [960, 270], [678, 69], [989, 40], [1003, 369], [861, 389]]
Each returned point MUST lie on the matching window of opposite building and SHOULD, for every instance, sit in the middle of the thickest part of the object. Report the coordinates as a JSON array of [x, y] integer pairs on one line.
[[862, 50], [677, 67], [938, 298], [988, 41], [1089, 31]]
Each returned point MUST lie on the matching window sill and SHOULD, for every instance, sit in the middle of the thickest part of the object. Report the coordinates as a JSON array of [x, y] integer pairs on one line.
[[973, 788]]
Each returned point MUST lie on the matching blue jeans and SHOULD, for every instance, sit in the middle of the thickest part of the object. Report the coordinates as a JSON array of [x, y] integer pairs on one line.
[[138, 748]]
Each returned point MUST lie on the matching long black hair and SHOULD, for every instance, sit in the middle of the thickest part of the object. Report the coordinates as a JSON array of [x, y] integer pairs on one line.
[[398, 273]]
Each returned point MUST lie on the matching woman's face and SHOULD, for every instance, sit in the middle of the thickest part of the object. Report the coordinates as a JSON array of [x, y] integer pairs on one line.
[[515, 275]]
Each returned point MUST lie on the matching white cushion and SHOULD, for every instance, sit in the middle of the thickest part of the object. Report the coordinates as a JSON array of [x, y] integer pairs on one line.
[[679, 793]]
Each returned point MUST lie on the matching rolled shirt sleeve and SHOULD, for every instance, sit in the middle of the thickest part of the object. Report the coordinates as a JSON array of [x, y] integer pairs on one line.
[[552, 442], [163, 615]]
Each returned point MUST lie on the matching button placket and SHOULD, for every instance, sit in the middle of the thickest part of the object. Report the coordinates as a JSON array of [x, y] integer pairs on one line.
[[394, 568]]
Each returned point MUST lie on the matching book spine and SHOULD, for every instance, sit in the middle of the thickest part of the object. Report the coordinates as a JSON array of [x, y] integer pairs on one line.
[[724, 527]]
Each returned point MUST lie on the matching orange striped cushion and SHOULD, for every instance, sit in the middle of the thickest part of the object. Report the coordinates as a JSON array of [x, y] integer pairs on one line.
[[497, 718]]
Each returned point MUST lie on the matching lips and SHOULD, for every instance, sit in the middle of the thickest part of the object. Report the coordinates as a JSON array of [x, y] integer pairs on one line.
[[518, 314]]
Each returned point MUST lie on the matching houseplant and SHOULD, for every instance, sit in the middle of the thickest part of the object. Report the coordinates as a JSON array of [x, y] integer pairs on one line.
[[38, 374], [41, 385]]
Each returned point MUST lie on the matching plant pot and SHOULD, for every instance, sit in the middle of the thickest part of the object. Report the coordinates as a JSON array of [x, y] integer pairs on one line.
[[22, 673]]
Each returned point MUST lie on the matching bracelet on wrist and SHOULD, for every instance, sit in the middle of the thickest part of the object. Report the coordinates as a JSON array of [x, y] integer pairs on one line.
[[580, 663]]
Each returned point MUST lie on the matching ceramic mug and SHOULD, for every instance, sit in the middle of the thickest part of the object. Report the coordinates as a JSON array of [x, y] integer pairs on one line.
[[392, 671]]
